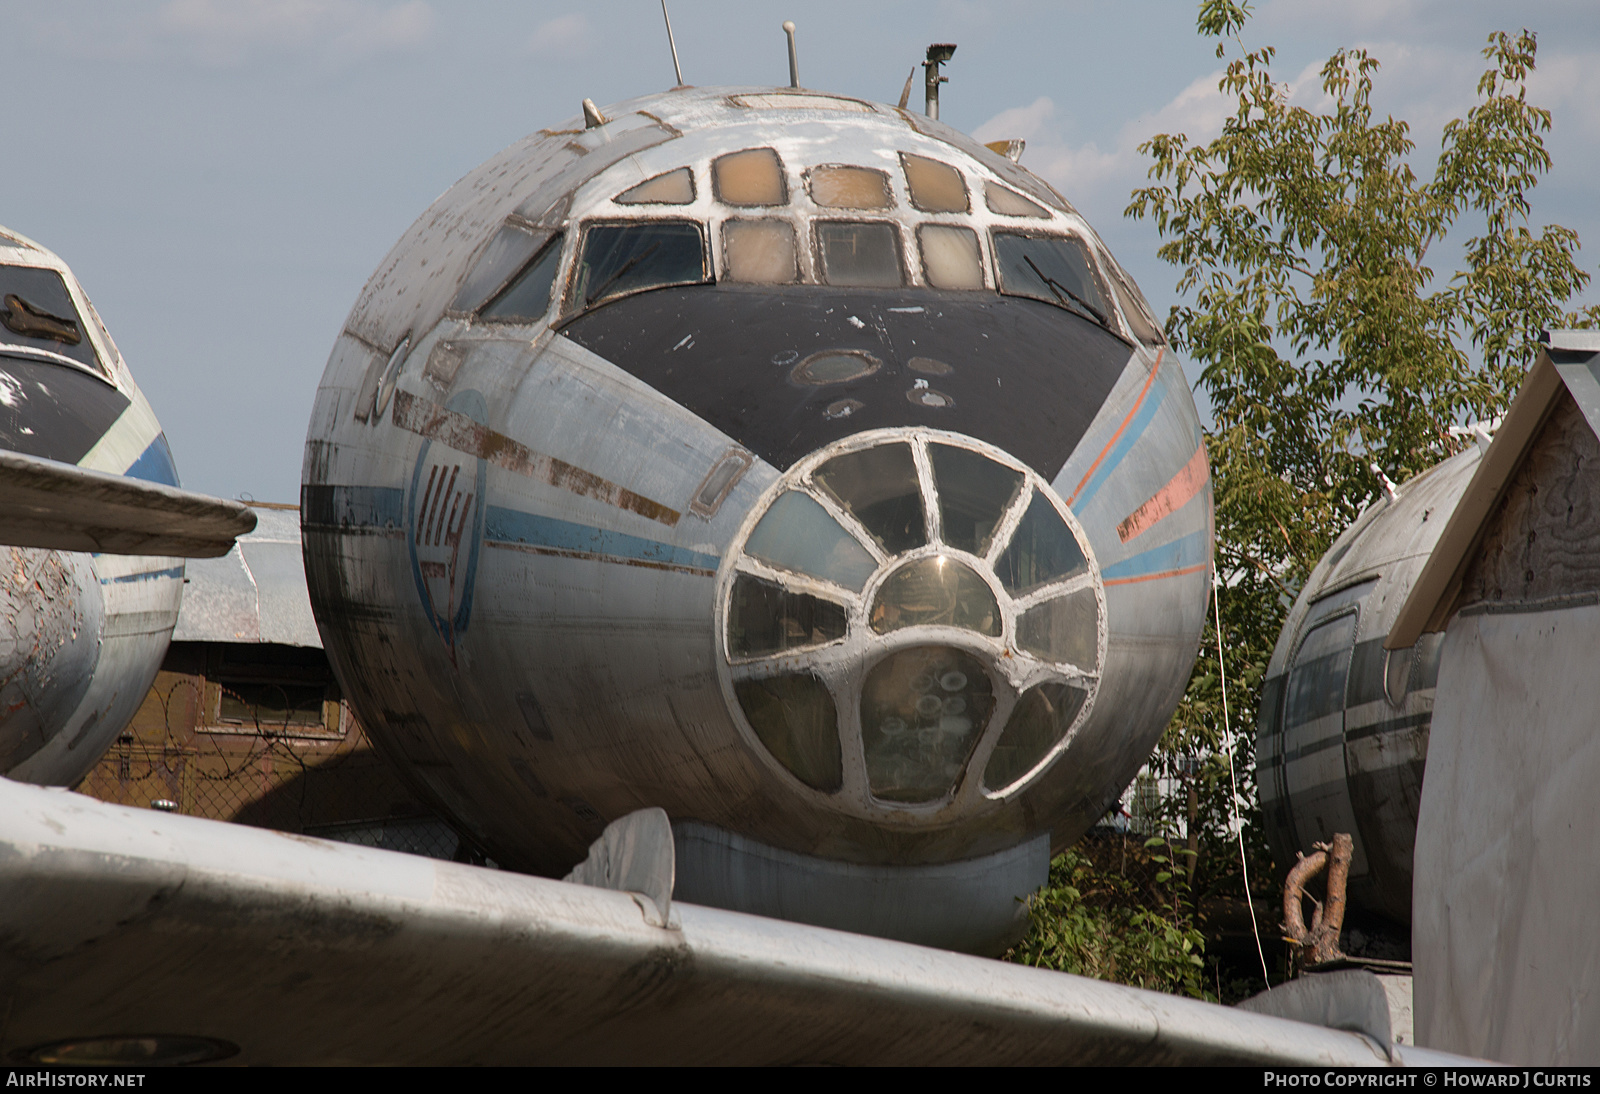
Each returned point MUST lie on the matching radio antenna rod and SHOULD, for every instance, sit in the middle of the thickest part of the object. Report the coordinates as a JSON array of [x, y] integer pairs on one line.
[[794, 62], [677, 70]]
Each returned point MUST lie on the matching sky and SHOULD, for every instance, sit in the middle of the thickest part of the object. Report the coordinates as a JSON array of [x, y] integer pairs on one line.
[[224, 175]]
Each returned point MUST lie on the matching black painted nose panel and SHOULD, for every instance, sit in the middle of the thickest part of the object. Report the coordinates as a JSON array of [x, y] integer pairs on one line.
[[52, 410], [1025, 376]]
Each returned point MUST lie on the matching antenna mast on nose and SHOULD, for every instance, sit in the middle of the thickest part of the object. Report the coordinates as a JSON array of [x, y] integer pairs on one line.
[[676, 69], [938, 54]]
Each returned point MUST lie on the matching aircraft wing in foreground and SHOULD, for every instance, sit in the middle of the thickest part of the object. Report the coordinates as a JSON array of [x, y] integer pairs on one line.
[[64, 507], [131, 936]]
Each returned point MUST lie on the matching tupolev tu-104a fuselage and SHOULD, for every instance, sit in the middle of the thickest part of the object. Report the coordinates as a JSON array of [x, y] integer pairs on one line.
[[793, 463]]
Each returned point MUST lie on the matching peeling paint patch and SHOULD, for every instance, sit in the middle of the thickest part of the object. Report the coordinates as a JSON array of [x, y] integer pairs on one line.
[[465, 435], [1169, 499]]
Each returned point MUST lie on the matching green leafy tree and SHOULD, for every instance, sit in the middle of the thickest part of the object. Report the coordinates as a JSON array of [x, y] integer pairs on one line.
[[1330, 349]]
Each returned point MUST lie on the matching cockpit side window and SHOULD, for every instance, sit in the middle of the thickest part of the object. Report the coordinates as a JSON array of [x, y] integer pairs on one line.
[[36, 311], [1051, 268], [860, 253], [527, 297], [619, 259], [1135, 308], [509, 252]]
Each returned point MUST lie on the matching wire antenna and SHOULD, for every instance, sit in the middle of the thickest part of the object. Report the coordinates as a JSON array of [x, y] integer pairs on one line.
[[677, 70], [1233, 782]]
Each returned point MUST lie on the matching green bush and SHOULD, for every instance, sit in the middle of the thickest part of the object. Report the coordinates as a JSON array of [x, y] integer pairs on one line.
[[1092, 922]]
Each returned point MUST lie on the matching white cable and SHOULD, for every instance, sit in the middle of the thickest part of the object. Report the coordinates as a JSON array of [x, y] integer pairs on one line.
[[1233, 799]]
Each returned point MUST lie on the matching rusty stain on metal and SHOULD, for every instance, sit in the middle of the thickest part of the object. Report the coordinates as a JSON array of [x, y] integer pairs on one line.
[[465, 435], [1318, 945]]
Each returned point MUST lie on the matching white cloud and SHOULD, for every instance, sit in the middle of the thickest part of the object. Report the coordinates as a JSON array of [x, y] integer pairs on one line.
[[1102, 178], [564, 36], [1569, 86], [230, 32]]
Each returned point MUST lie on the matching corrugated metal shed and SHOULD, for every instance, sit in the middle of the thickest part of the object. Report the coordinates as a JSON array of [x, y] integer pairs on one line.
[[254, 593]]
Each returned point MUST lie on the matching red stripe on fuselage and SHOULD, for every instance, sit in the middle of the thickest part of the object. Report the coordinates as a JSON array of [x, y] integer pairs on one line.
[[1170, 498]]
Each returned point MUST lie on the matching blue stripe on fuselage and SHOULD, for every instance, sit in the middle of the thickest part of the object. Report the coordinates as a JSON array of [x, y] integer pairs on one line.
[[146, 575], [511, 526], [1129, 438], [381, 509], [1190, 550], [366, 508], [155, 463]]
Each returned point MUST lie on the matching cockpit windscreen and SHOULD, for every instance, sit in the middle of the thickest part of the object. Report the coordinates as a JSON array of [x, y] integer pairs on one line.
[[1051, 268], [619, 259], [36, 311]]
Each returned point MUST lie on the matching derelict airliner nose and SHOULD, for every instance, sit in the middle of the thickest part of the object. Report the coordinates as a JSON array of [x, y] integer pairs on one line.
[[911, 618]]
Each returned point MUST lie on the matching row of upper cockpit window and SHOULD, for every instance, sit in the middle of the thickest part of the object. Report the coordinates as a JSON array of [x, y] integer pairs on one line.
[[844, 237], [755, 177]]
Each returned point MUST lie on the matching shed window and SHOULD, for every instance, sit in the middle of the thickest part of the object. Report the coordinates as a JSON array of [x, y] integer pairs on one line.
[[619, 259], [950, 256], [935, 187], [273, 690], [751, 177], [860, 254], [850, 188], [759, 250]]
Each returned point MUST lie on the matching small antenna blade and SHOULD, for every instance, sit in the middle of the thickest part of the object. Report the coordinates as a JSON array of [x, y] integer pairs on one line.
[[905, 93], [676, 69]]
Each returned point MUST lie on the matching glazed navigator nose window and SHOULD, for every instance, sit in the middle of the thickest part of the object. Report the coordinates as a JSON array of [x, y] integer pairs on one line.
[[905, 609]]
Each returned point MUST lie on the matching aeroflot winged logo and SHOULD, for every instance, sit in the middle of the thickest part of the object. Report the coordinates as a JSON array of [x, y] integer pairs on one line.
[[444, 526]]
